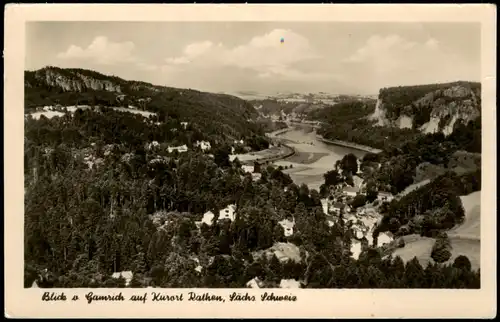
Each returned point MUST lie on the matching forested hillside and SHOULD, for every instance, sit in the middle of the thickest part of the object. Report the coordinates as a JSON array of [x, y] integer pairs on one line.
[[95, 209], [349, 121], [443, 165], [220, 116], [101, 198], [429, 108], [406, 150]]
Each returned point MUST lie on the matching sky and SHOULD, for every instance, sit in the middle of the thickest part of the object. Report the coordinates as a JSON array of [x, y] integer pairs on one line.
[[332, 57]]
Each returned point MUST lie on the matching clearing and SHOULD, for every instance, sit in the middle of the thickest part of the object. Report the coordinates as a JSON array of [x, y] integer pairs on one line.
[[465, 238]]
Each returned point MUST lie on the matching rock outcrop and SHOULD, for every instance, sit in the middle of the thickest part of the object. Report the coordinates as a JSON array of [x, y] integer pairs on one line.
[[429, 108], [72, 81]]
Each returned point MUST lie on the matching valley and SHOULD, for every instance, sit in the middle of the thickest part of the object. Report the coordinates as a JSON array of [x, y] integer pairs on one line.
[[135, 185]]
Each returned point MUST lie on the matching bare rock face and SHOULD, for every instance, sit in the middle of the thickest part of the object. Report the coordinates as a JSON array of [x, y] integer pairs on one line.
[[99, 85], [447, 107], [456, 91], [75, 82]]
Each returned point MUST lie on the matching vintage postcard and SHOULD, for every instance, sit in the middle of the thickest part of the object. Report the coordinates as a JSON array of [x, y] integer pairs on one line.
[[250, 161]]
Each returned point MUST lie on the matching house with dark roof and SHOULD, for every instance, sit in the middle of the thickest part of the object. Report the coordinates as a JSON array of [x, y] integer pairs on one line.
[[339, 206]]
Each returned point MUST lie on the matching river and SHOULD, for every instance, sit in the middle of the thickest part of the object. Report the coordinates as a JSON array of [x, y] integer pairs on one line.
[[313, 158]]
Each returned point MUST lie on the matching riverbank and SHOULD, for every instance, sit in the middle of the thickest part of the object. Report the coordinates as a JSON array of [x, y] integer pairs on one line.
[[270, 155], [276, 133], [349, 145], [288, 152]]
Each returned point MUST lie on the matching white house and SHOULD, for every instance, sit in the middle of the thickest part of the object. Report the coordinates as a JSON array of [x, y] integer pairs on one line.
[[331, 220], [338, 206], [356, 249], [287, 227], [289, 283], [198, 267], [159, 159], [248, 168], [358, 232], [204, 145], [127, 275], [254, 283], [227, 213], [385, 196], [180, 149], [208, 218], [256, 176], [153, 145], [383, 238], [325, 204], [350, 191]]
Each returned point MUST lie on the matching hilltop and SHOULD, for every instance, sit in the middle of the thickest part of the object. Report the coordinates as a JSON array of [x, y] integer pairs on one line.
[[221, 116], [428, 108], [404, 113]]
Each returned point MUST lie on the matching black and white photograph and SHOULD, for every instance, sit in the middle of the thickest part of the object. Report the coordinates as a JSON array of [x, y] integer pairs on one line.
[[246, 155]]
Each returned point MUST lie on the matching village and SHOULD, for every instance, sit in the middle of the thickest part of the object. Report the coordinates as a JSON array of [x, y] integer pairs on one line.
[[337, 206]]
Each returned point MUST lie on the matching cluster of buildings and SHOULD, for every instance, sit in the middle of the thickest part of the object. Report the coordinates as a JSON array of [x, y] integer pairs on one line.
[[204, 145], [228, 212], [127, 275], [284, 283]]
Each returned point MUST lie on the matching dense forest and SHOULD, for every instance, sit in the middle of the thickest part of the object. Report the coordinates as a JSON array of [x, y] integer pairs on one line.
[[433, 208], [394, 169], [101, 198], [348, 121], [452, 162], [403, 99], [403, 150], [219, 116], [135, 208]]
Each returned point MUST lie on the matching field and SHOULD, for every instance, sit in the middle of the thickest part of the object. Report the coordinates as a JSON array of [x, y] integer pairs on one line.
[[465, 239], [72, 109], [418, 246], [47, 114], [134, 111], [264, 154]]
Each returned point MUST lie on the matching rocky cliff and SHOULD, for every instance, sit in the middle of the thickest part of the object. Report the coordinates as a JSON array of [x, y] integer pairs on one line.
[[71, 80], [218, 113], [53, 85], [429, 108]]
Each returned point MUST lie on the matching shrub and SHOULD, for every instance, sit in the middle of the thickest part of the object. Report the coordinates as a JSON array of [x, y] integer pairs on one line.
[[462, 262], [441, 249]]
